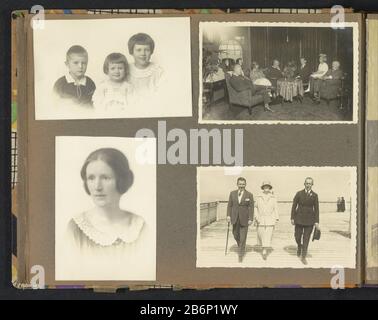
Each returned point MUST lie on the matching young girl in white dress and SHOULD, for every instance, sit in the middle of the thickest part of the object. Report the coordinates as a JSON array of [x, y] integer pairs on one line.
[[145, 75], [113, 95]]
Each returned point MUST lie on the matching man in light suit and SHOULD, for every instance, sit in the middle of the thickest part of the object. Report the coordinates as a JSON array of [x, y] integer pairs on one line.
[[304, 215], [240, 214]]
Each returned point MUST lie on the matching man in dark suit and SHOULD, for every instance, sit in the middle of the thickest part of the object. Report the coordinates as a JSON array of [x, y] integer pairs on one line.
[[240, 213], [304, 215], [330, 82], [335, 73], [273, 73], [304, 71], [241, 83]]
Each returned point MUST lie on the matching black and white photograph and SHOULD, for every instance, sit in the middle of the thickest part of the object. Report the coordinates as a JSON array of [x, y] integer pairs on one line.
[[277, 217], [105, 209], [112, 68], [278, 72], [373, 249], [372, 219]]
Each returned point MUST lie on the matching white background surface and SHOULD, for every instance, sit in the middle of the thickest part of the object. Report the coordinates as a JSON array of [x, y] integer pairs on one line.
[[71, 198], [101, 37]]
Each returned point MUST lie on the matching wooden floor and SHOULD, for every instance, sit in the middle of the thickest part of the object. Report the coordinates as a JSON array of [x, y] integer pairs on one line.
[[334, 248]]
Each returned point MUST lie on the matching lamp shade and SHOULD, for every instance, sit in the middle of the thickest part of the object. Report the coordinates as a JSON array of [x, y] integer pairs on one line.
[[230, 49]]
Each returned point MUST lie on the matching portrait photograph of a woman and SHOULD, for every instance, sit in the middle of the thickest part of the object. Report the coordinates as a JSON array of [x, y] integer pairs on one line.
[[105, 230]]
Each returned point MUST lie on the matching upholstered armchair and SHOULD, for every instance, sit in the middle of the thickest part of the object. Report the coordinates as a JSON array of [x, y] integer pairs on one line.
[[333, 89], [243, 98]]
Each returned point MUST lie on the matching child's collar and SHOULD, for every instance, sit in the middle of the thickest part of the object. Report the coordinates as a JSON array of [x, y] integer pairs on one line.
[[70, 79]]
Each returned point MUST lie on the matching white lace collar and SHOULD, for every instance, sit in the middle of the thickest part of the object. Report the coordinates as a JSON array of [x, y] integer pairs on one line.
[[143, 73], [128, 235]]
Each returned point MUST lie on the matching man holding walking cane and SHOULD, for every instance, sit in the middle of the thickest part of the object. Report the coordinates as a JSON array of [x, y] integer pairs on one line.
[[240, 214]]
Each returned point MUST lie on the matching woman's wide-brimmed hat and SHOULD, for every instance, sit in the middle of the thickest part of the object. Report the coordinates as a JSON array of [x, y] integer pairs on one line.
[[266, 183]]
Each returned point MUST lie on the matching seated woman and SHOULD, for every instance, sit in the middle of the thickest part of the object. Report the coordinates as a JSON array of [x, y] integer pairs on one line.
[[240, 83], [322, 67], [317, 75], [258, 77]]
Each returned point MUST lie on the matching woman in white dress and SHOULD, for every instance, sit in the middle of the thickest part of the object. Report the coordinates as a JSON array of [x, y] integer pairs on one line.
[[258, 77], [322, 67], [266, 217], [107, 242], [316, 76]]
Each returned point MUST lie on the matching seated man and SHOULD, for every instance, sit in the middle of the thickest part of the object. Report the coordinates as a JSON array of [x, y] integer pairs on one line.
[[335, 73], [304, 71], [330, 83], [240, 83], [273, 73]]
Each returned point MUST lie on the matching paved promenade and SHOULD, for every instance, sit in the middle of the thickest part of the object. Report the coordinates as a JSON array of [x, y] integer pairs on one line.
[[334, 248]]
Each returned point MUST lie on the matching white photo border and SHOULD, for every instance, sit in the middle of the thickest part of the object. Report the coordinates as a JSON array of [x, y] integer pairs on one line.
[[235, 171], [356, 69]]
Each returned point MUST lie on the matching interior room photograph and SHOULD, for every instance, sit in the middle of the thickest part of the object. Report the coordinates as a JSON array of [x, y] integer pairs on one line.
[[278, 73]]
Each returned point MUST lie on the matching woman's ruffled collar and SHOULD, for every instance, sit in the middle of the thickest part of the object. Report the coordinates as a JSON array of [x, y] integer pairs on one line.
[[129, 235]]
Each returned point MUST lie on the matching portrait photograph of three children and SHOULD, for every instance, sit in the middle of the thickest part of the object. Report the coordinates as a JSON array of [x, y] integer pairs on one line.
[[121, 68]]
